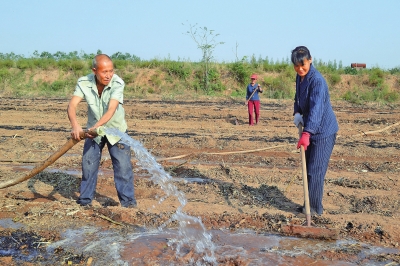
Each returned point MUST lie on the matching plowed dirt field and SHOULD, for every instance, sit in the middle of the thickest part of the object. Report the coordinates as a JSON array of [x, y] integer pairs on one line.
[[233, 175]]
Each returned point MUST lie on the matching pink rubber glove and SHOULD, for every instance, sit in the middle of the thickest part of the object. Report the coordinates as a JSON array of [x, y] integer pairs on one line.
[[304, 140]]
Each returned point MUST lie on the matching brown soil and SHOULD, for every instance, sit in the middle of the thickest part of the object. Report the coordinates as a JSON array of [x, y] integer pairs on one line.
[[253, 179]]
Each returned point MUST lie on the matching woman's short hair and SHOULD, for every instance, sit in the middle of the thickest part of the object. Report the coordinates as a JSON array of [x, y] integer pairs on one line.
[[299, 54]]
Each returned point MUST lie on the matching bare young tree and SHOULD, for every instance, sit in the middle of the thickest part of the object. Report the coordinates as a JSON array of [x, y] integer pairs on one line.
[[206, 42]]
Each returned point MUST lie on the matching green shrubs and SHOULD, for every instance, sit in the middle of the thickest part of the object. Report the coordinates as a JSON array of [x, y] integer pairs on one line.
[[278, 66], [73, 65], [178, 69], [4, 77], [213, 80], [350, 71], [129, 77], [375, 78], [77, 65], [4, 74], [334, 79], [46, 74], [122, 57], [239, 93], [215, 84], [7, 63], [61, 85], [156, 80], [280, 87], [361, 95], [120, 64], [373, 89], [395, 70], [24, 64], [153, 63], [44, 63], [240, 71], [56, 88]]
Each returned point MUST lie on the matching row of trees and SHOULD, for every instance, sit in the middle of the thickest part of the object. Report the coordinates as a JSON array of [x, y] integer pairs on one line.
[[68, 56]]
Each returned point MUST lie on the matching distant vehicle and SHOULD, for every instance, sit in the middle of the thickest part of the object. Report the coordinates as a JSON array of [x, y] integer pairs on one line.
[[358, 65]]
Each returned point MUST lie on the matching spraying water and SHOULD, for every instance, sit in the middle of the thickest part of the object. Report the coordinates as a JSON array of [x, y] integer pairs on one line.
[[192, 232]]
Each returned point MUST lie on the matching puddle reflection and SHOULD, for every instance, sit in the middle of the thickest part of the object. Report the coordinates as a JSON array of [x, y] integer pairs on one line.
[[154, 246], [141, 246]]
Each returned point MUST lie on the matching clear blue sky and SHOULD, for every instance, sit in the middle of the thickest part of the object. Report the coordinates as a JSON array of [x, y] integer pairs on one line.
[[351, 31]]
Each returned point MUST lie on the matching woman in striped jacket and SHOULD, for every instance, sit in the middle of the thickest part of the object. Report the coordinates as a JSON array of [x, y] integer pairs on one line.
[[313, 109]]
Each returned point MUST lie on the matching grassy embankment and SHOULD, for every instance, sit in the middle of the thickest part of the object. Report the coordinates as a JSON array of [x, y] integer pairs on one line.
[[50, 75]]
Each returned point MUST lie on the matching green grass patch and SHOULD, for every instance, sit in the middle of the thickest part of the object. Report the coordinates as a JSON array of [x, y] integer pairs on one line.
[[280, 87], [361, 95]]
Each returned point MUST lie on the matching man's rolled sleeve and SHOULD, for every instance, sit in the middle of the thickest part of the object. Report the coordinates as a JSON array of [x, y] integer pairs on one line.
[[78, 91], [118, 86]]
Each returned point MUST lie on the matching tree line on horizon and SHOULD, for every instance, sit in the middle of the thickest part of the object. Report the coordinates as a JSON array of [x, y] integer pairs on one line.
[[210, 79], [75, 55]]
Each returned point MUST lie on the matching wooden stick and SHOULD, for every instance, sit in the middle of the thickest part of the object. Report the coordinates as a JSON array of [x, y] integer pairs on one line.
[[376, 131], [67, 146], [18, 161], [305, 179], [222, 153], [109, 219]]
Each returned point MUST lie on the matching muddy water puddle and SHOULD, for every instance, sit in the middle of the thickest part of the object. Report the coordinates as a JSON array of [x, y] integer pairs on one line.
[[147, 246], [243, 248]]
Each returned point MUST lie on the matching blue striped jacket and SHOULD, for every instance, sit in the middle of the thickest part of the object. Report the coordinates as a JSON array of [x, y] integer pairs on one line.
[[312, 100]]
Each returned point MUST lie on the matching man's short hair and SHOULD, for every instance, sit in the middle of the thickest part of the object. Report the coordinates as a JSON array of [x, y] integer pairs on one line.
[[94, 62]]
